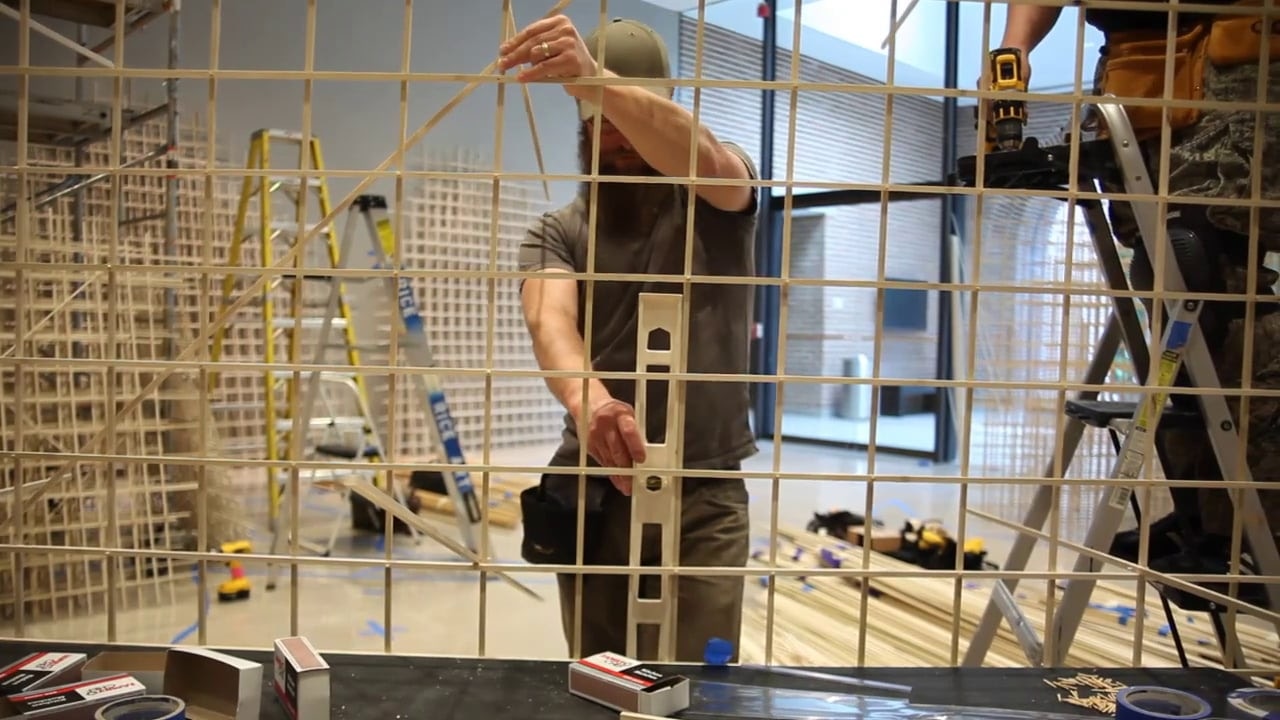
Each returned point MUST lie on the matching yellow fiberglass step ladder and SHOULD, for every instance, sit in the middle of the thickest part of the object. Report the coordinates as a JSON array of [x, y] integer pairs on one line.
[[291, 322]]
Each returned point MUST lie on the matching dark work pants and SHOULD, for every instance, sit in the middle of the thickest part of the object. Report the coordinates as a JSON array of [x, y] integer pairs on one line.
[[714, 532]]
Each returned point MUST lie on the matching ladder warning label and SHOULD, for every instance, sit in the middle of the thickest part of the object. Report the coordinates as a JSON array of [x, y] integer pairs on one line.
[[1120, 497]]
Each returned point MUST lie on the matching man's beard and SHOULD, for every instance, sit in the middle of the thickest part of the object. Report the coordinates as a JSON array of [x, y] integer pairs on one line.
[[619, 204]]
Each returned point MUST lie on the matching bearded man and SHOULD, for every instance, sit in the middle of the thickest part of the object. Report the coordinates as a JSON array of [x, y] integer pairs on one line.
[[640, 229]]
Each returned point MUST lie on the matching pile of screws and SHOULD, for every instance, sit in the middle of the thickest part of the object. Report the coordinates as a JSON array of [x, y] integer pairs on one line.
[[1088, 691]]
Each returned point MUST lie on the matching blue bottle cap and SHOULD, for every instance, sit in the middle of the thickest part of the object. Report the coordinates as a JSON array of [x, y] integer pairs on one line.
[[717, 652]]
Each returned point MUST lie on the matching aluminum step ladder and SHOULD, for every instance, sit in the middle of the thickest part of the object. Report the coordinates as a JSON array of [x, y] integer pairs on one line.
[[367, 218], [1182, 346]]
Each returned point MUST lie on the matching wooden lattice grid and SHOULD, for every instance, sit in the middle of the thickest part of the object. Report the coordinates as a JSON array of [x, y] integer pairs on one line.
[[1020, 339], [57, 408], [448, 222]]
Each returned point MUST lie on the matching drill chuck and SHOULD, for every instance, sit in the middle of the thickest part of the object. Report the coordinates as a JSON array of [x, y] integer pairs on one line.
[[1009, 134]]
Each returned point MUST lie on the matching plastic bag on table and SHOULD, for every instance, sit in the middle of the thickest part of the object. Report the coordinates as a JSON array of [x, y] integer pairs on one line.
[[731, 700]]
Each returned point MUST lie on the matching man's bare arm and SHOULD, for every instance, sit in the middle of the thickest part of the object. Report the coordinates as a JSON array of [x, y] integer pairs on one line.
[[658, 129], [1026, 26], [551, 313], [661, 131]]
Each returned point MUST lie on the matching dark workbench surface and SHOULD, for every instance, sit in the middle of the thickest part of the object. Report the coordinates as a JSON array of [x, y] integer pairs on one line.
[[384, 687]]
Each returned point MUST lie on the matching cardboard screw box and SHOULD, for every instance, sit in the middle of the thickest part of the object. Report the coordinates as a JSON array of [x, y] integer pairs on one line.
[[41, 669], [73, 701], [146, 666], [301, 679], [627, 685], [214, 685]]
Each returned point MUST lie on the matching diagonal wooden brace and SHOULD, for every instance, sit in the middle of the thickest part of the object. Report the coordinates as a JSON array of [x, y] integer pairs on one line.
[[655, 496]]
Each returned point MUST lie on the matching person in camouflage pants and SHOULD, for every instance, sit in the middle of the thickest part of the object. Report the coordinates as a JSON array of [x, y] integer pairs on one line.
[[1211, 157]]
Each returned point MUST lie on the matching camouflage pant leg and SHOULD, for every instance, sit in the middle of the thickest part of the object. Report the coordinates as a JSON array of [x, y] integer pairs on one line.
[[1213, 159]]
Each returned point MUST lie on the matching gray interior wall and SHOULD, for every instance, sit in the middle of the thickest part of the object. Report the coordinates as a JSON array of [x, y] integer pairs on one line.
[[357, 119]]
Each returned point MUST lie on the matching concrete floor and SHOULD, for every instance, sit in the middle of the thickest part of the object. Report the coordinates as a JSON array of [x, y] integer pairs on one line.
[[341, 608]]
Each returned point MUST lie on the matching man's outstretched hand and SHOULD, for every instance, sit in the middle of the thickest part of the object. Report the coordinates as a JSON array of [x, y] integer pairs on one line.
[[553, 50], [614, 439]]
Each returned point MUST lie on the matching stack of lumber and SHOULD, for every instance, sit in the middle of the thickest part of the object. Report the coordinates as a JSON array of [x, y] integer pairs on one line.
[[913, 621]]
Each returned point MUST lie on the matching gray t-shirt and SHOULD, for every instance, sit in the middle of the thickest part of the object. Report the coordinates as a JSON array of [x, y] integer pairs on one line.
[[717, 432]]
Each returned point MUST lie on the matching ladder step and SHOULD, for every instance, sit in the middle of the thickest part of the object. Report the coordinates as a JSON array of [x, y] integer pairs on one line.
[[347, 452], [308, 323], [290, 228], [326, 475], [320, 423], [311, 278], [274, 134], [1101, 414], [325, 375], [293, 181]]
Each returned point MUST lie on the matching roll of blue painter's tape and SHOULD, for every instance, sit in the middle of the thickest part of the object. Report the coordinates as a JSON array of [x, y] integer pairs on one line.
[[717, 651], [1144, 702], [1254, 703], [144, 707]]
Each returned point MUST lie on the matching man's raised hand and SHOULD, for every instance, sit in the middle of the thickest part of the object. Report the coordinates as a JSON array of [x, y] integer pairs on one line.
[[552, 49]]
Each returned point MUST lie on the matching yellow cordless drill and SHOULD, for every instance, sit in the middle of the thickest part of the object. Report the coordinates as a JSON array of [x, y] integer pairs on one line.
[[1008, 117], [237, 588]]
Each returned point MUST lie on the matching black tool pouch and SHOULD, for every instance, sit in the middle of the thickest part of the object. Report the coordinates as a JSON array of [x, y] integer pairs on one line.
[[551, 525]]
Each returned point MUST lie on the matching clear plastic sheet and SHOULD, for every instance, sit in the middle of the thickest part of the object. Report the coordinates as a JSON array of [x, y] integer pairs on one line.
[[731, 700]]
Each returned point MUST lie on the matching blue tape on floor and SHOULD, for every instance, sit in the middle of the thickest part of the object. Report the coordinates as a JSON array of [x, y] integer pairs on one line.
[[187, 631], [375, 628], [905, 508]]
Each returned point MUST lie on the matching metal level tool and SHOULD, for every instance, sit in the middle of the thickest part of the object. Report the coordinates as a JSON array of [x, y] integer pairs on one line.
[[1182, 346], [656, 487]]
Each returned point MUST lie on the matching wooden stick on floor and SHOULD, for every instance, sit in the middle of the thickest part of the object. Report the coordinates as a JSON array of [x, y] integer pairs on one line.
[[388, 503]]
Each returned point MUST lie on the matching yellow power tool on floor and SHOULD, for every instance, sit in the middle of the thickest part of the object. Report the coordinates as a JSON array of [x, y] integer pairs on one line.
[[237, 588], [1008, 117]]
